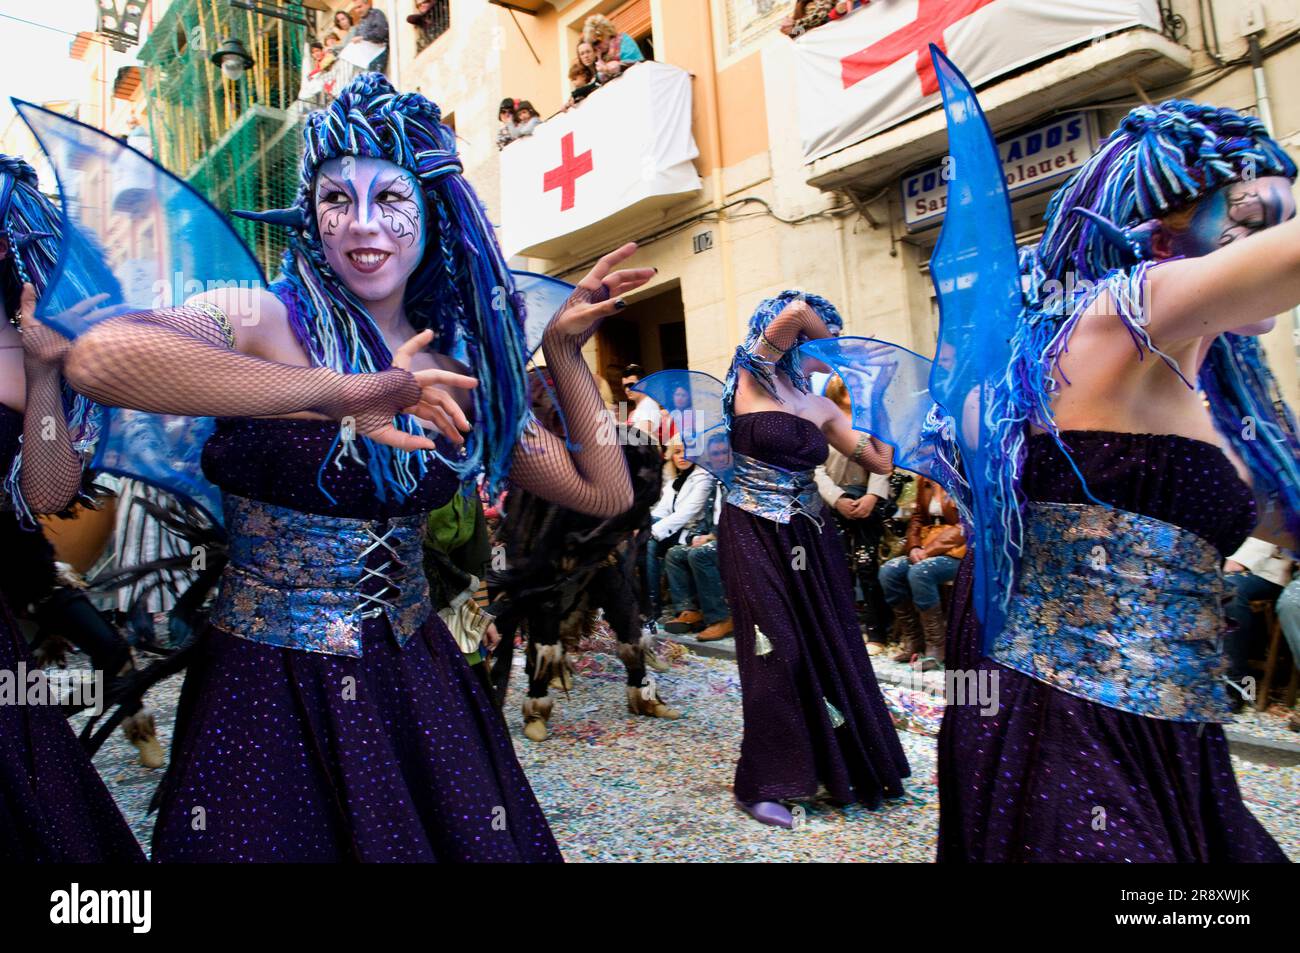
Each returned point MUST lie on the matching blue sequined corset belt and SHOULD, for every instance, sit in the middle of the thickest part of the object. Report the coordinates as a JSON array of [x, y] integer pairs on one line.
[[773, 493], [1121, 609], [302, 581]]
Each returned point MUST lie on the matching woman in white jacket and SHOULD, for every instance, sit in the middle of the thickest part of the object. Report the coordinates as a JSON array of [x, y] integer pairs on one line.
[[685, 497]]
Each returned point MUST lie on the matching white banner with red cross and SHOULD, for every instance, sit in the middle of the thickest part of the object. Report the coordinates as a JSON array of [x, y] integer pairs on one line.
[[872, 69], [626, 145]]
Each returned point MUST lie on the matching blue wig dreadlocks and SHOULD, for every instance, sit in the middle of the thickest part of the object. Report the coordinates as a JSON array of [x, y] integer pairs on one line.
[[1161, 159], [765, 371], [32, 227], [462, 289]]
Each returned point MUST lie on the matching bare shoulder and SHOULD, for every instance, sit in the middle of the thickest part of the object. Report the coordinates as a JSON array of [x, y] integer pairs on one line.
[[822, 410], [256, 315]]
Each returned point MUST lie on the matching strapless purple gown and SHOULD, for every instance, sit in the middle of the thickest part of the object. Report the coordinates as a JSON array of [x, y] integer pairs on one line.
[[53, 806], [791, 746], [1024, 785], [272, 763]]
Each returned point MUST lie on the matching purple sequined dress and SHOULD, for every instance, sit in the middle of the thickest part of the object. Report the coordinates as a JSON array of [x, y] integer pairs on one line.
[[53, 806], [283, 754], [792, 746], [1054, 777]]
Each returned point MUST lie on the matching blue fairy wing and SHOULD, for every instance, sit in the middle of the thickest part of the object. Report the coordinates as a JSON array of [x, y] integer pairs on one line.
[[146, 239], [889, 388], [976, 275], [543, 297], [693, 400]]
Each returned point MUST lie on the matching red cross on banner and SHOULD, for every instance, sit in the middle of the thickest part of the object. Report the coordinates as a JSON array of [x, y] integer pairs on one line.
[[933, 17], [565, 176]]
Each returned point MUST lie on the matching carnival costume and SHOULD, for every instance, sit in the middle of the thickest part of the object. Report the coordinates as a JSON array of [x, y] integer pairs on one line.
[[330, 714]]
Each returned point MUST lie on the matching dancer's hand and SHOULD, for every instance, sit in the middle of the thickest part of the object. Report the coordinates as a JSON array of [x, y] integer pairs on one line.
[[44, 345], [598, 295], [437, 405], [491, 637]]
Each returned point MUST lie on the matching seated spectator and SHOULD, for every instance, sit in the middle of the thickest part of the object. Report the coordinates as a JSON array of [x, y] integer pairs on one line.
[[615, 51], [526, 119], [699, 603], [861, 503], [646, 413], [372, 26], [911, 583], [685, 496], [1256, 571], [1288, 617]]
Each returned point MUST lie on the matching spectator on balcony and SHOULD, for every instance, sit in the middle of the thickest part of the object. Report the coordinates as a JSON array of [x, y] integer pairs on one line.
[[344, 29], [526, 119], [316, 50], [372, 26], [429, 20], [582, 80], [806, 15], [508, 132], [615, 51]]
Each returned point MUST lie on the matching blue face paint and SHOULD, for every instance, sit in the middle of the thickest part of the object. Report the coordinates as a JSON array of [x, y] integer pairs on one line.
[[1235, 212]]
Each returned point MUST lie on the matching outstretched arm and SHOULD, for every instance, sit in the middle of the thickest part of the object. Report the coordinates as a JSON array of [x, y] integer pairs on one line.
[[182, 361], [874, 456], [1246, 282], [593, 477]]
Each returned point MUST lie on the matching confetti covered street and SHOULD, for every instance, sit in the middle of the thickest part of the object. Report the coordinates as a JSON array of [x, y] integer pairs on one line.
[[620, 788]]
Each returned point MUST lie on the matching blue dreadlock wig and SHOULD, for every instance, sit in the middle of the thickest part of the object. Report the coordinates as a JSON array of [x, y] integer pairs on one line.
[[462, 289], [1162, 159], [765, 371], [32, 228]]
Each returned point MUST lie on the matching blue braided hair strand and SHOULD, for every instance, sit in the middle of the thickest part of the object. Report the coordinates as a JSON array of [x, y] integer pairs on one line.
[[765, 372], [33, 229], [462, 289]]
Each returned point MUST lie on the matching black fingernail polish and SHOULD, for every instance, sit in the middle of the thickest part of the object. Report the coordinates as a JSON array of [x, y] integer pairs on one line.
[[619, 304]]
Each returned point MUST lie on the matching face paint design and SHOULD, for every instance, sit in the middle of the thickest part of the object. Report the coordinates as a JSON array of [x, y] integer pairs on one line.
[[1235, 212], [370, 213]]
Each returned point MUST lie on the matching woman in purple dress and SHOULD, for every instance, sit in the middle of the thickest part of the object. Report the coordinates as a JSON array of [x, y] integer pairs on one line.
[[53, 806], [331, 715], [815, 721], [1095, 734]]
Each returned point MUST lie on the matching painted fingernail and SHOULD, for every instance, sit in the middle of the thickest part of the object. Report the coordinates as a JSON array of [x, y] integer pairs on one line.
[[656, 271], [619, 304]]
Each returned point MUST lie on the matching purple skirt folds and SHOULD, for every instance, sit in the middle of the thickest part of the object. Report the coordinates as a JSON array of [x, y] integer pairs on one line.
[[791, 747], [1053, 777], [53, 806], [286, 755]]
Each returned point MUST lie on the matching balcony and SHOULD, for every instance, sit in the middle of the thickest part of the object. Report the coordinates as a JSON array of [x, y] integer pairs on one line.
[[623, 154], [872, 96]]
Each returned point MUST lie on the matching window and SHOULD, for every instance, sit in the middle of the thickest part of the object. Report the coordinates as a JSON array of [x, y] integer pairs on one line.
[[748, 20], [633, 18]]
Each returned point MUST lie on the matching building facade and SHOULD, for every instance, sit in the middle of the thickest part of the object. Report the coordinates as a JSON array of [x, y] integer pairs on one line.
[[852, 210]]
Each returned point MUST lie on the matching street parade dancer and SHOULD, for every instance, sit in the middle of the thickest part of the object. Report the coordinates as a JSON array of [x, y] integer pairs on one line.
[[1130, 437], [330, 715], [54, 808], [814, 718]]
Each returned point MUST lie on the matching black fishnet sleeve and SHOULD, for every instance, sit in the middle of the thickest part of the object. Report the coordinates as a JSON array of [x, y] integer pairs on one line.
[[592, 478], [874, 456], [51, 469], [797, 318], [181, 361]]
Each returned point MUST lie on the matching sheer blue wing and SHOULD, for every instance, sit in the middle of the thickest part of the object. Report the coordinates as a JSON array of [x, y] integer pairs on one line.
[[976, 275], [543, 298], [140, 235], [693, 400], [889, 388]]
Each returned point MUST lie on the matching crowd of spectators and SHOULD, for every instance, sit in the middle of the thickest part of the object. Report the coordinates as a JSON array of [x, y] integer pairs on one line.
[[355, 42], [518, 119]]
